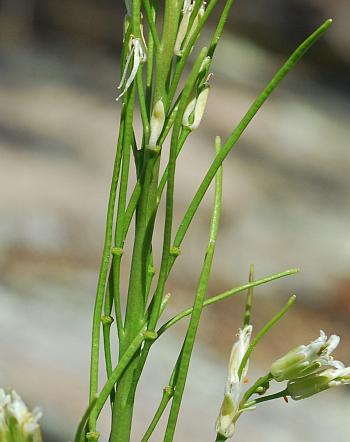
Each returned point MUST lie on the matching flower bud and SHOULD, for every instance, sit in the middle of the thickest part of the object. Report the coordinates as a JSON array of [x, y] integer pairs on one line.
[[157, 123], [307, 386], [195, 110]]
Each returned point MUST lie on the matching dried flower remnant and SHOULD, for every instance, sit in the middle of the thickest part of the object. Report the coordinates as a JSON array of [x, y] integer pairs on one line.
[[195, 110], [230, 408], [138, 55]]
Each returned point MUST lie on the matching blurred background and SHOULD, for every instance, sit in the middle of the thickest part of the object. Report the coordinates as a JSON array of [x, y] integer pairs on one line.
[[286, 204]]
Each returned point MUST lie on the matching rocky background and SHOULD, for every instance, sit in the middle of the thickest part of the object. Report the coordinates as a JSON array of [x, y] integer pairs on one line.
[[286, 204]]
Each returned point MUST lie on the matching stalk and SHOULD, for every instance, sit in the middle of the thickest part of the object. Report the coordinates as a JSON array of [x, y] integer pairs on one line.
[[197, 307]]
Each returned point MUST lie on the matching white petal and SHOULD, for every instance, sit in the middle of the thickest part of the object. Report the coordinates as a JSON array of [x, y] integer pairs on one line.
[[332, 344], [17, 408]]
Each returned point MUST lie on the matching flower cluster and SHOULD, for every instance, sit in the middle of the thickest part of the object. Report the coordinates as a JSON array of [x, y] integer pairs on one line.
[[17, 423], [310, 369]]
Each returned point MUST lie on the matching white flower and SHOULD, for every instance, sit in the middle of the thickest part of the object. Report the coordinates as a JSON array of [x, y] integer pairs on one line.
[[306, 359], [137, 54], [230, 412], [309, 385], [17, 408], [17, 421]]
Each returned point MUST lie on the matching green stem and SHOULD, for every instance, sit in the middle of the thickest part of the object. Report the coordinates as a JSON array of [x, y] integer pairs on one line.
[[249, 300], [143, 105], [197, 308], [261, 382], [134, 318], [166, 397], [157, 298], [152, 47], [238, 131], [270, 397], [107, 321], [183, 137], [137, 189], [225, 295], [220, 438], [220, 28], [125, 360], [151, 23], [105, 263], [119, 230], [80, 433], [165, 54], [263, 332], [183, 60], [163, 273], [168, 393]]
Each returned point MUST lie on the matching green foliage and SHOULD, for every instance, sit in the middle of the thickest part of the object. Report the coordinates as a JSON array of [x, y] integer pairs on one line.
[[157, 45]]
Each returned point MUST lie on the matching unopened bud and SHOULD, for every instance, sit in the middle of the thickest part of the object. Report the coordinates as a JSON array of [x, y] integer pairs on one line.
[[157, 123]]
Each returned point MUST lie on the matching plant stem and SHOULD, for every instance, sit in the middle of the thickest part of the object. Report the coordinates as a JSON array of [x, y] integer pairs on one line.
[[220, 438], [184, 57], [225, 295], [168, 393], [127, 388], [238, 131], [80, 433], [116, 375], [165, 53], [264, 380], [249, 300], [106, 327], [263, 332], [270, 397], [166, 397], [101, 285], [151, 23], [197, 307], [122, 409]]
